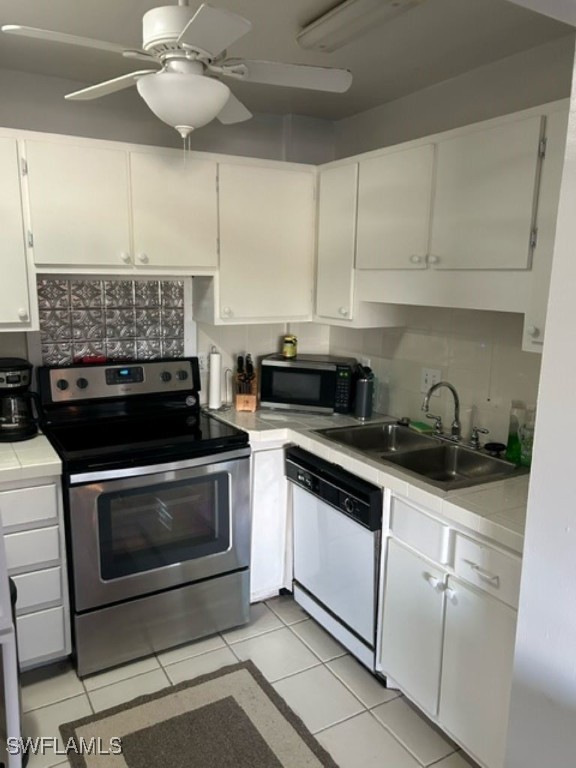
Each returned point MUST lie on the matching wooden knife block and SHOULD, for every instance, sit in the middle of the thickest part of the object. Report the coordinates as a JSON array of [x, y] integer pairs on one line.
[[248, 402]]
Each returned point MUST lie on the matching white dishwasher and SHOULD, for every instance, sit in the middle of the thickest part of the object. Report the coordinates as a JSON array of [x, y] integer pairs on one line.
[[337, 529]]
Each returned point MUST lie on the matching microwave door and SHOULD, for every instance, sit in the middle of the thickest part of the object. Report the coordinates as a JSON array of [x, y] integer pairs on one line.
[[298, 388]]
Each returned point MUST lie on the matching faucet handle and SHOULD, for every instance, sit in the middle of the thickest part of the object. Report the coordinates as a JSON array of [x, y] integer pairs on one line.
[[475, 439], [437, 424]]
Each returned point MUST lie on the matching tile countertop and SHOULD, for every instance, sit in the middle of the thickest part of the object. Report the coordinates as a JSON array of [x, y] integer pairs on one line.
[[28, 460], [495, 510]]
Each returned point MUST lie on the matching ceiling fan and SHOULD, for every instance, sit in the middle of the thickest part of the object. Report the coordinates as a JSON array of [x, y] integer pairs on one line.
[[188, 50]]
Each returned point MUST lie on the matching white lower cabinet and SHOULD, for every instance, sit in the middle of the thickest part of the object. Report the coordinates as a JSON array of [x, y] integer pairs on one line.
[[448, 627], [412, 625], [479, 638], [268, 570], [33, 533]]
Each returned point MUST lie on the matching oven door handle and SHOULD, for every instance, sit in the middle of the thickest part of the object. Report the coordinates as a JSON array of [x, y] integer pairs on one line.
[[152, 469]]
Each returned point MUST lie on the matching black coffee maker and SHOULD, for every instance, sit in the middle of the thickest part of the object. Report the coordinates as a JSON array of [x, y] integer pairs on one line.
[[17, 420]]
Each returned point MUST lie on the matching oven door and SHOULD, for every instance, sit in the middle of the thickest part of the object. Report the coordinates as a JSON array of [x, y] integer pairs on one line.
[[137, 531]]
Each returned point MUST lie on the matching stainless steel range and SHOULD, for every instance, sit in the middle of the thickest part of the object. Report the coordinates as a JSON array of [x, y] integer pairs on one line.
[[157, 501]]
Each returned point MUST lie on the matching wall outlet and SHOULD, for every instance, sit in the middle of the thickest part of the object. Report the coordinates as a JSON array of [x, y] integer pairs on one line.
[[202, 362], [365, 361], [430, 376]]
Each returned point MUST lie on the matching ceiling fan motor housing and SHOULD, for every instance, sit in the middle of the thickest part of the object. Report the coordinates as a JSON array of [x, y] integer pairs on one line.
[[161, 27]]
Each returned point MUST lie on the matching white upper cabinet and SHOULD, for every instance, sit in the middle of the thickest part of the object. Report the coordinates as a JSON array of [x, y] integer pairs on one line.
[[79, 211], [14, 301], [485, 195], [394, 197], [336, 241], [174, 210], [266, 242]]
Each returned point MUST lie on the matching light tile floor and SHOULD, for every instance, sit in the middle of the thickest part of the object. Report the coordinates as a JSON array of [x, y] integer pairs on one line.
[[360, 722]]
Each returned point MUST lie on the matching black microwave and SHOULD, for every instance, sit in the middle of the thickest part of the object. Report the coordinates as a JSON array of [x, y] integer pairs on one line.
[[318, 383]]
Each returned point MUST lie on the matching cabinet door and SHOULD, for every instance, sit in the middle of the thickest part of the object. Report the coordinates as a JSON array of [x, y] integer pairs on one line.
[[269, 525], [14, 307], [477, 671], [336, 241], [266, 243], [174, 210], [78, 204], [485, 196], [394, 195], [411, 638]]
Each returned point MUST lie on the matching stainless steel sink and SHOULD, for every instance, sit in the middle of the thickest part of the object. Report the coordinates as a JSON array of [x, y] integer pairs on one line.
[[454, 466], [378, 438], [442, 464]]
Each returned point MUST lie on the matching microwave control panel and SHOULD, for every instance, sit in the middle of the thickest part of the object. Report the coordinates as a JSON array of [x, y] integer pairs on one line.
[[343, 397]]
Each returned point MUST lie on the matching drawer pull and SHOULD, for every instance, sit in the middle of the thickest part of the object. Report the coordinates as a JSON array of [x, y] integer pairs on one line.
[[489, 578], [451, 594]]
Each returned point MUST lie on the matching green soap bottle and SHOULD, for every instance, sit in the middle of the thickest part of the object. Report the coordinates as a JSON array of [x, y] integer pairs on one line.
[[514, 447]]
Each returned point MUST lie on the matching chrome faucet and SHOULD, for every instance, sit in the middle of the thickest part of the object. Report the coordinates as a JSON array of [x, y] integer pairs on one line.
[[455, 429]]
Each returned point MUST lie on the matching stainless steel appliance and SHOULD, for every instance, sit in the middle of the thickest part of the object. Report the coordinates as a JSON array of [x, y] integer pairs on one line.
[[17, 421], [337, 531], [157, 508], [319, 383]]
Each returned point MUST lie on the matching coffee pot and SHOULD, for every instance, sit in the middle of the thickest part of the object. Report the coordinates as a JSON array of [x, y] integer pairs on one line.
[[17, 421]]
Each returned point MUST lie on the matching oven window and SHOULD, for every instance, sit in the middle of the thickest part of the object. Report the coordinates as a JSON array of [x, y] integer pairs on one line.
[[147, 528]]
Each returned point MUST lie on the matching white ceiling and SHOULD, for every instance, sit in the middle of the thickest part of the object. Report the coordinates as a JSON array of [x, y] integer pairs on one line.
[[433, 42]]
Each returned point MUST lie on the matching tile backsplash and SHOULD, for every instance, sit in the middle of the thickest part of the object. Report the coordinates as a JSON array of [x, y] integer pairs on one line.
[[120, 319], [478, 352]]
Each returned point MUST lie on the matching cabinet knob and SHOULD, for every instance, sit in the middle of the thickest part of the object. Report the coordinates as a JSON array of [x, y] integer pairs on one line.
[[226, 311], [343, 311], [433, 259], [23, 314], [434, 582], [533, 331], [143, 258], [125, 257], [415, 259]]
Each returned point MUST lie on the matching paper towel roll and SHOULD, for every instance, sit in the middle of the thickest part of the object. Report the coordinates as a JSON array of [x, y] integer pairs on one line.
[[215, 380]]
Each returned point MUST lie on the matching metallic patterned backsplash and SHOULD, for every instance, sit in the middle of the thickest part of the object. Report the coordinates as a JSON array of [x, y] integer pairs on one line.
[[120, 319]]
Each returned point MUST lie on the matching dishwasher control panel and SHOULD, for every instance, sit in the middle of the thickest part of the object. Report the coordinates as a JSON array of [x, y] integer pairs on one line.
[[351, 495]]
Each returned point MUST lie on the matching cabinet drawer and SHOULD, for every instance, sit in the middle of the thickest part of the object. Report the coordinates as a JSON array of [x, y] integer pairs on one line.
[[424, 533], [28, 505], [38, 589], [28, 549], [41, 634], [487, 568]]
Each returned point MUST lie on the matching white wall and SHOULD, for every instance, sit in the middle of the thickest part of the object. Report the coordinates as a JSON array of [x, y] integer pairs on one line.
[[543, 704], [36, 103], [530, 78]]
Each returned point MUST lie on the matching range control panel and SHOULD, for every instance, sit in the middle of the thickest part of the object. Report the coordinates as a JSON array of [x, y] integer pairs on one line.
[[102, 381]]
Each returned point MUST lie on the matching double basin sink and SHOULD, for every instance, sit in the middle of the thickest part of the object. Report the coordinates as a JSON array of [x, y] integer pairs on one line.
[[443, 464]]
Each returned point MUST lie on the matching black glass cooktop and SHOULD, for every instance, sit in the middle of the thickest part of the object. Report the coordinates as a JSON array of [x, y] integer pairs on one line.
[[151, 438]]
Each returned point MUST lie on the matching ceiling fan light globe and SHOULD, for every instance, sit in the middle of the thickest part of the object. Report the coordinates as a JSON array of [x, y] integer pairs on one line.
[[183, 100]]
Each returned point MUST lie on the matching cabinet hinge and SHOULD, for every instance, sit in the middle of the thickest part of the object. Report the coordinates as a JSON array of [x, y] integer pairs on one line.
[[542, 147], [30, 239], [24, 167], [533, 238]]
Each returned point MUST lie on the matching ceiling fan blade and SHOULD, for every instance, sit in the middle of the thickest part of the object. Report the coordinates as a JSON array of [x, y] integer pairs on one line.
[[290, 75], [211, 30], [62, 37], [234, 112], [108, 86]]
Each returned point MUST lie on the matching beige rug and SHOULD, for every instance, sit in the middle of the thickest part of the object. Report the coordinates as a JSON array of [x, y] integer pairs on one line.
[[232, 718]]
